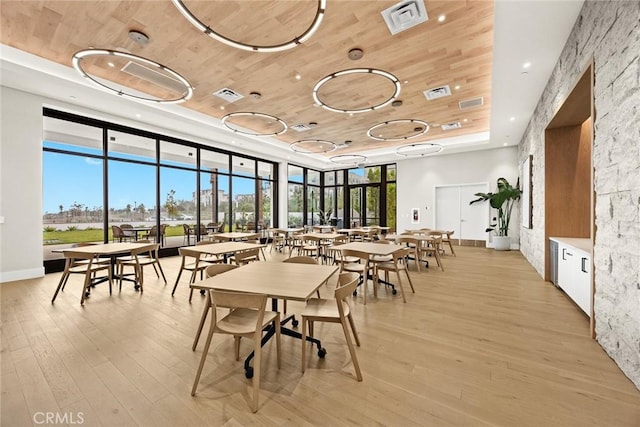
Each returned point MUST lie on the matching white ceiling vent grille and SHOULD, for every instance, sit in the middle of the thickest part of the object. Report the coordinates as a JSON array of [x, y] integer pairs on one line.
[[404, 15], [451, 126], [437, 92], [140, 71], [300, 127], [470, 103], [228, 94]]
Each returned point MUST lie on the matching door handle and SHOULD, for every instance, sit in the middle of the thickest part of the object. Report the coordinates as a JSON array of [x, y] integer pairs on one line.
[[582, 265]]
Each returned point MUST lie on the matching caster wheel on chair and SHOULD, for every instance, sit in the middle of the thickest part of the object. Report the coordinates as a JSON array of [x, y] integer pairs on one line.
[[295, 323], [321, 353], [355, 293], [394, 292], [248, 373], [202, 291]]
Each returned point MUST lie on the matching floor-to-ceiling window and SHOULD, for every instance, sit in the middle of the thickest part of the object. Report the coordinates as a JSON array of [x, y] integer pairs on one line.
[[295, 196], [98, 175]]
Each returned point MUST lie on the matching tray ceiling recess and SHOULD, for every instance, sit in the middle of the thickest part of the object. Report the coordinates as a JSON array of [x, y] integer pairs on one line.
[[309, 146], [348, 159], [209, 31], [419, 149], [346, 81], [398, 130], [141, 79], [254, 124]]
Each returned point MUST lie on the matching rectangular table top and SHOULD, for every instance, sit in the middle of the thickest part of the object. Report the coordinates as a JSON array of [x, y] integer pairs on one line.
[[236, 235], [106, 248], [225, 247], [371, 248], [281, 280]]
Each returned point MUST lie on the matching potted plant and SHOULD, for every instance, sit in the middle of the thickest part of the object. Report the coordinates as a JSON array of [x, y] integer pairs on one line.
[[503, 200]]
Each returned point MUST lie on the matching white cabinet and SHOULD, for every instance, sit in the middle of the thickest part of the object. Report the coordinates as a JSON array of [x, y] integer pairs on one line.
[[574, 271]]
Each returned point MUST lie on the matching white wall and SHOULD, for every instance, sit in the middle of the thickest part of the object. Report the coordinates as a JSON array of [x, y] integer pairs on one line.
[[417, 179], [20, 186]]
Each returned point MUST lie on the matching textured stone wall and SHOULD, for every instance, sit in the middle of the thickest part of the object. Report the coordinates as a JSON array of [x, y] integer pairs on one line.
[[608, 32]]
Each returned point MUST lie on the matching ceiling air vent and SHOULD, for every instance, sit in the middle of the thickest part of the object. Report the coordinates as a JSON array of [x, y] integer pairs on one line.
[[470, 103], [451, 126], [228, 94], [300, 127], [404, 15], [437, 92], [164, 80]]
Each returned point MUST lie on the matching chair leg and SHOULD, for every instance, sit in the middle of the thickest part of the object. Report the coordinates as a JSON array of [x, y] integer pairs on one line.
[[205, 313], [352, 351], [257, 362], [278, 335], [406, 270], [63, 280], [438, 260], [177, 280], [404, 299], [205, 351], [451, 247], [140, 277], [303, 332], [87, 281], [156, 270], [353, 329], [162, 272]]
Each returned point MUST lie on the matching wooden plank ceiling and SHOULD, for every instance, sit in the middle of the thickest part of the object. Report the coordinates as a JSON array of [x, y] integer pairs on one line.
[[456, 52]]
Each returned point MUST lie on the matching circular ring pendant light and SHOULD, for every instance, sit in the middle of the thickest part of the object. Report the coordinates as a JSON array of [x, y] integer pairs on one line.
[[313, 146], [421, 129], [369, 71], [317, 20], [225, 121], [348, 159], [419, 150], [79, 56]]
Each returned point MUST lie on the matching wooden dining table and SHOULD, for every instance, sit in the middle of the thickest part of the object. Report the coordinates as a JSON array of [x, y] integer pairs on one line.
[[277, 280]]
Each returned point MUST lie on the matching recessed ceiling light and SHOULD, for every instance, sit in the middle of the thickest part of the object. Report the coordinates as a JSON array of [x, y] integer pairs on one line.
[[526, 64], [505, 144], [512, 119], [442, 18], [233, 142], [465, 120], [222, 107], [111, 64], [406, 81], [138, 115], [350, 114], [72, 97], [457, 87], [298, 76]]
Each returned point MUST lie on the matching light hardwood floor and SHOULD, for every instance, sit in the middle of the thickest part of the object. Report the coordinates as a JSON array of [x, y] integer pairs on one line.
[[486, 342]]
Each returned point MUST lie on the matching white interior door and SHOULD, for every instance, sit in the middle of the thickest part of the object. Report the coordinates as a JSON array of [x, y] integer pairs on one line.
[[453, 211]]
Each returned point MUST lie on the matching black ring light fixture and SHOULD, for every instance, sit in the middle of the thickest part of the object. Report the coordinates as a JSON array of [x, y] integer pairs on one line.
[[313, 146], [347, 159], [80, 55], [382, 73], [423, 124], [419, 149], [226, 117], [320, 12]]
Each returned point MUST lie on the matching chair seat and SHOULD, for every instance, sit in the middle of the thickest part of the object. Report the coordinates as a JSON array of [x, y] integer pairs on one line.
[[389, 265], [349, 259], [324, 309], [353, 267], [381, 258], [243, 321], [82, 268]]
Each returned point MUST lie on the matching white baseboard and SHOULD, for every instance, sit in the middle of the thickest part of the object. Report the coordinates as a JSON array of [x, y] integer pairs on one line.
[[12, 276]]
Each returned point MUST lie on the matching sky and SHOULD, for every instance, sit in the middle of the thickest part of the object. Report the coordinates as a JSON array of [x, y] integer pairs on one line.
[[68, 179]]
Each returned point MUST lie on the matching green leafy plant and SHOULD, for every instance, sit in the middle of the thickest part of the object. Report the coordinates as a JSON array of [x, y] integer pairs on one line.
[[49, 229], [503, 200], [325, 216]]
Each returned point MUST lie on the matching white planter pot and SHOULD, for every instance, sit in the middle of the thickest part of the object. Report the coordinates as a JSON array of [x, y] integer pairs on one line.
[[501, 243]]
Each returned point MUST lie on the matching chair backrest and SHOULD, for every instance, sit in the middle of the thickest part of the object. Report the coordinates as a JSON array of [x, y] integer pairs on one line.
[[163, 228], [152, 231], [126, 226], [347, 283], [301, 260], [401, 254], [215, 269], [186, 229], [384, 242], [203, 242], [248, 255], [78, 255], [412, 241], [186, 252], [228, 299], [149, 249], [117, 231], [364, 256]]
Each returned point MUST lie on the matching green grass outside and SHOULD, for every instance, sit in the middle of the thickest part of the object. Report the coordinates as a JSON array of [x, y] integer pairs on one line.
[[93, 235]]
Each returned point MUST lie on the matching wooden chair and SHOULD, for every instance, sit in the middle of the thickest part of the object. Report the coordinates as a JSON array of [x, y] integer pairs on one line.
[[89, 267], [433, 248], [278, 240], [139, 258], [210, 271], [446, 238], [364, 268], [188, 232], [333, 311], [311, 246], [412, 243], [194, 266], [399, 263], [247, 318], [299, 260]]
